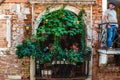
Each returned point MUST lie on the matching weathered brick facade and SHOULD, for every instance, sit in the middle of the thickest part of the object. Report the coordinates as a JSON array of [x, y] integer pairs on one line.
[[11, 65], [3, 34]]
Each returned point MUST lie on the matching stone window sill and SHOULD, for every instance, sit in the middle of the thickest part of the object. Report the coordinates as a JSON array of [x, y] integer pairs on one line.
[[109, 51], [103, 55], [14, 77], [3, 49]]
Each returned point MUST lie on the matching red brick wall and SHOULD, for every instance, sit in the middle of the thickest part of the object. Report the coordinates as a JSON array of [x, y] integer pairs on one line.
[[97, 16], [103, 72], [18, 27], [3, 28], [9, 63], [16, 1]]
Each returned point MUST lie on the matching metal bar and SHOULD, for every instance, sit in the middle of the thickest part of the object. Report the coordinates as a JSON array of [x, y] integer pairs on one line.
[[87, 68], [103, 36], [109, 23], [65, 70]]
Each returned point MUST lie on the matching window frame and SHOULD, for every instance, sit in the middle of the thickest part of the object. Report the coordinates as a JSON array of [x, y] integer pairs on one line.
[[8, 30]]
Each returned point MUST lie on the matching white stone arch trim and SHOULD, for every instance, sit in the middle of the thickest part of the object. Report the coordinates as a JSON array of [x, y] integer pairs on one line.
[[72, 9], [75, 10]]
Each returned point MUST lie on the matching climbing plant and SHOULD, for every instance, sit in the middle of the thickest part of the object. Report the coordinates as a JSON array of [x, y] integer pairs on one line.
[[28, 48], [62, 22], [82, 27], [57, 23]]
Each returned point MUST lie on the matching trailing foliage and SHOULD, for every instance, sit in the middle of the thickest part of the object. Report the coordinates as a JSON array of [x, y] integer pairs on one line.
[[28, 48], [81, 19], [57, 23], [73, 56]]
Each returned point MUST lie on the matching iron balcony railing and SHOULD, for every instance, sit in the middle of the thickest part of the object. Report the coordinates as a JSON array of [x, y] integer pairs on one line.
[[102, 35], [62, 69]]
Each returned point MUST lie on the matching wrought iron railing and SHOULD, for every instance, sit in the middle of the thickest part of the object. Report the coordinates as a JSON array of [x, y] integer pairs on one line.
[[62, 69], [103, 36]]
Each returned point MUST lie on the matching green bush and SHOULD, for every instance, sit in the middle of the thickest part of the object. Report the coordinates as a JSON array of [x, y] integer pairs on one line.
[[57, 23]]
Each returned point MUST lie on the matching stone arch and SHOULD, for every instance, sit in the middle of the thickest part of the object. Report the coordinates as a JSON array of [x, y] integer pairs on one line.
[[72, 9], [75, 11], [39, 18]]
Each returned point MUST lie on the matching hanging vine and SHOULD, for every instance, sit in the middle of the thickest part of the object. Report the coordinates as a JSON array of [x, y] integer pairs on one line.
[[81, 19], [57, 23]]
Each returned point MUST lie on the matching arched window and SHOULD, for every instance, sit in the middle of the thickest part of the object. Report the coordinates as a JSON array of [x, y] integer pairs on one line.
[[65, 31]]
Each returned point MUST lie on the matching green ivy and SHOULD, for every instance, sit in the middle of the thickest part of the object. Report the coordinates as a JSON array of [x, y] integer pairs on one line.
[[80, 18], [57, 23], [28, 48]]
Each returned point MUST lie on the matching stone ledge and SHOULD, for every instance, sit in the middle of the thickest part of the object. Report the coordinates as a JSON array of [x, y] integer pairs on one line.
[[14, 77], [37, 78], [83, 2], [16, 1], [109, 51]]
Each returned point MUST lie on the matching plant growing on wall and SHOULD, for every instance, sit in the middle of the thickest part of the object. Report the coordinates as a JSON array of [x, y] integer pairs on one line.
[[57, 23], [81, 19], [28, 48]]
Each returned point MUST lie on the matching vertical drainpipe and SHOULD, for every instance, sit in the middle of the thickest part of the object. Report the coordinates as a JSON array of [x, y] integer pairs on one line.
[[32, 61], [90, 66], [91, 8], [104, 6], [8, 35], [33, 18]]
